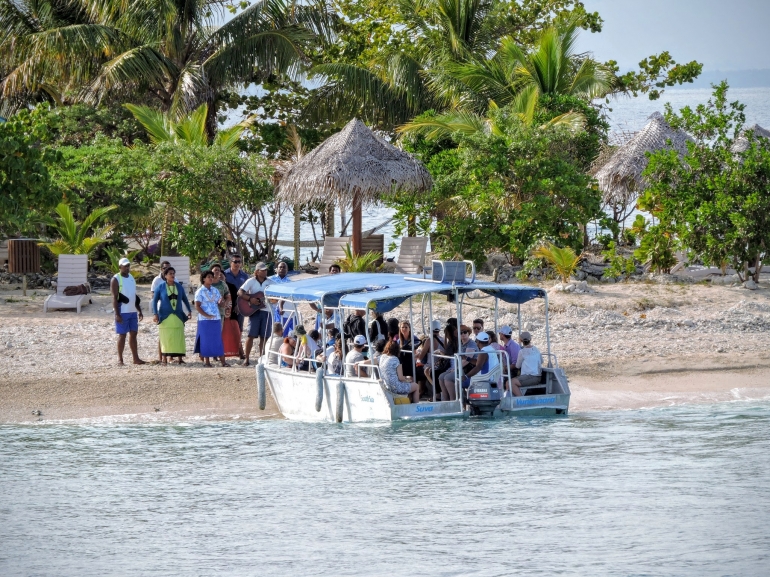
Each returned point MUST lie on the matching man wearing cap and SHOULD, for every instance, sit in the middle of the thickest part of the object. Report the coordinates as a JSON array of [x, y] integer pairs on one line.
[[530, 361], [509, 346], [128, 313], [260, 321], [355, 359], [485, 360]]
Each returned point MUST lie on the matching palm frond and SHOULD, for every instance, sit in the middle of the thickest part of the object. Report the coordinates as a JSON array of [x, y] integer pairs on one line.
[[157, 124], [192, 128], [445, 125], [228, 138]]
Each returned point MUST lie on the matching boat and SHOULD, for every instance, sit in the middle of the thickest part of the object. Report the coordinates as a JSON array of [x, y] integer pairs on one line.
[[308, 396]]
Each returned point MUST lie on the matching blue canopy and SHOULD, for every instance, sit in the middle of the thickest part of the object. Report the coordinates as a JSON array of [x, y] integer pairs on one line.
[[356, 290]]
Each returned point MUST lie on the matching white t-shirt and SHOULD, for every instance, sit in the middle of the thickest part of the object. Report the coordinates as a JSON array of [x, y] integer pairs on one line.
[[530, 361], [127, 287], [156, 282], [272, 350], [493, 357], [252, 286], [351, 359]]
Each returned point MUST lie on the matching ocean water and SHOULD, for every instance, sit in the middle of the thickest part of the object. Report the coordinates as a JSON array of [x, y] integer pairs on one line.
[[674, 491], [624, 115]]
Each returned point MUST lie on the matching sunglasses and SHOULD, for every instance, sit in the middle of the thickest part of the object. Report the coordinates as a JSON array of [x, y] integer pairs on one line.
[[236, 262], [465, 332]]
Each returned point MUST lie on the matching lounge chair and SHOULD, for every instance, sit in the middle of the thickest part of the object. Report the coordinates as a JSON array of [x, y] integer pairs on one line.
[[3, 253], [411, 255], [73, 271], [334, 250], [181, 265]]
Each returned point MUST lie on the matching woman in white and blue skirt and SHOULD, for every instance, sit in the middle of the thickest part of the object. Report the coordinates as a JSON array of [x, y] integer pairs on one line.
[[208, 341]]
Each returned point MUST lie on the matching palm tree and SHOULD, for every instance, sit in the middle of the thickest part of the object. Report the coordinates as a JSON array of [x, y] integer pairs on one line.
[[73, 233], [397, 85], [516, 79], [173, 51], [563, 260], [190, 129]]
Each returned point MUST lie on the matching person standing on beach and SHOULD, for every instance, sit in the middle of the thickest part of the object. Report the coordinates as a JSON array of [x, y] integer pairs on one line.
[[285, 310], [128, 313], [208, 302], [260, 321], [156, 282], [170, 316], [235, 276]]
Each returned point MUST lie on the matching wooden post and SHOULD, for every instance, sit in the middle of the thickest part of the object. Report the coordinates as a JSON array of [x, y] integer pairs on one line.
[[329, 219], [357, 224], [297, 214]]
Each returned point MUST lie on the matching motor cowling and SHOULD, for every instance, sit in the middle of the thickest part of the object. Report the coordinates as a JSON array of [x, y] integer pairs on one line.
[[483, 398]]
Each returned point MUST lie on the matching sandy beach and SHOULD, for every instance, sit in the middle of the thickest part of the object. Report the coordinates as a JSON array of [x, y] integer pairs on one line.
[[625, 346]]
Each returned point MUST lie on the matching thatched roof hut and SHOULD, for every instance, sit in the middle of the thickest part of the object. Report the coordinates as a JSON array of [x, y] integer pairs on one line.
[[353, 167], [620, 179], [353, 162], [742, 142]]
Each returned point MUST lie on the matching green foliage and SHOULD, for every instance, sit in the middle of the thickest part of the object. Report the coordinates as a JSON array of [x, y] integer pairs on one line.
[[81, 124], [113, 257], [620, 266], [657, 248], [655, 73], [73, 239], [197, 239], [504, 193], [358, 263], [105, 173], [714, 200], [26, 190], [563, 260]]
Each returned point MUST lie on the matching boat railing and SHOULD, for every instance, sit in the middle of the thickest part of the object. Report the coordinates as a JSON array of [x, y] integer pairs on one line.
[[502, 358], [552, 362]]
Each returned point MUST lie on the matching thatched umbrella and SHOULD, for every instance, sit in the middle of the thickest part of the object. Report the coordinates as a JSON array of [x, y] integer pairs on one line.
[[742, 142], [352, 167], [620, 179]]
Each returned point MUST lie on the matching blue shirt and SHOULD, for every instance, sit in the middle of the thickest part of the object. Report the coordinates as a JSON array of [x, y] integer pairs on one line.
[[238, 279]]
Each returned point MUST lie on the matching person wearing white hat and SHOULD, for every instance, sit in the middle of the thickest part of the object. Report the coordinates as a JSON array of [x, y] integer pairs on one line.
[[486, 360], [510, 346], [128, 313], [259, 322], [530, 361], [424, 356], [355, 359]]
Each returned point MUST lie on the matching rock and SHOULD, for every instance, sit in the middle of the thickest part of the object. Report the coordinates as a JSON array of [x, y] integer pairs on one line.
[[581, 275], [751, 285], [592, 269], [9, 345], [688, 323]]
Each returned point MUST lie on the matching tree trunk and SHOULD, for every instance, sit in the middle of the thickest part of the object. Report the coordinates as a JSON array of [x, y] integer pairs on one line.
[[411, 225], [297, 222], [329, 212], [357, 224]]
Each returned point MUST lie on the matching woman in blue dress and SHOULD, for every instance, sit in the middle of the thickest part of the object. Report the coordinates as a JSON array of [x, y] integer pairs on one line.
[[208, 342]]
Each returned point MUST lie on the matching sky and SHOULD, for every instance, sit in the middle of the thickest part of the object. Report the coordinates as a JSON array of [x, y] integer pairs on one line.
[[723, 35]]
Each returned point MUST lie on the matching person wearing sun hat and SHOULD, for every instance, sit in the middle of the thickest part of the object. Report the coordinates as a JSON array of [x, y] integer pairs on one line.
[[128, 313]]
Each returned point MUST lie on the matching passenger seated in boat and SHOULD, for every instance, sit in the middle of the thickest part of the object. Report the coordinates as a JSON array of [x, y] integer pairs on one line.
[[486, 360], [302, 351], [408, 343], [379, 347], [493, 341], [424, 356], [510, 346], [447, 368], [355, 325], [287, 350], [393, 329], [530, 361], [378, 328], [355, 360], [447, 379], [334, 359], [276, 340], [392, 374]]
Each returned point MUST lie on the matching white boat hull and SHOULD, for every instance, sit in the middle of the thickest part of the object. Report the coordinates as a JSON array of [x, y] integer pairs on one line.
[[365, 400]]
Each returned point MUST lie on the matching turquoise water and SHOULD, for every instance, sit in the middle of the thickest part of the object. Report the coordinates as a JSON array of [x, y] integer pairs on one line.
[[675, 491]]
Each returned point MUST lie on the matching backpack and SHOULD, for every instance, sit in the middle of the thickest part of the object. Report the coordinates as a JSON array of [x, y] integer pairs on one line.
[[354, 325]]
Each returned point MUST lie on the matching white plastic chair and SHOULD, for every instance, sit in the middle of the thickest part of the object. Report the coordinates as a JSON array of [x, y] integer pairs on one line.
[[73, 270], [411, 255]]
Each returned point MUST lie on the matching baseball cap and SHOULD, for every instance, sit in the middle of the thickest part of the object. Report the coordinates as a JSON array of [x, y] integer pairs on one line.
[[506, 330], [124, 261], [359, 340], [525, 336], [483, 337], [260, 266], [435, 325]]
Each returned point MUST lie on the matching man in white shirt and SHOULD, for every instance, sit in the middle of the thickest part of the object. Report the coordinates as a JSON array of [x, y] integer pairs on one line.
[[284, 311], [530, 361], [127, 312], [259, 322], [355, 358], [160, 279]]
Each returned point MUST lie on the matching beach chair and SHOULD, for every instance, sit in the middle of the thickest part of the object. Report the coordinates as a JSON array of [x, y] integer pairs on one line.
[[3, 253], [334, 250], [411, 255], [73, 271], [374, 243], [181, 265]]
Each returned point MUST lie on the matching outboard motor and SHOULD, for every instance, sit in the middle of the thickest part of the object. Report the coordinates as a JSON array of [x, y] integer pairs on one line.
[[483, 398]]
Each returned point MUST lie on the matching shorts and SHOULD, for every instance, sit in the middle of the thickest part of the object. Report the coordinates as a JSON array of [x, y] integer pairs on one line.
[[260, 324], [130, 323], [529, 380], [400, 388]]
